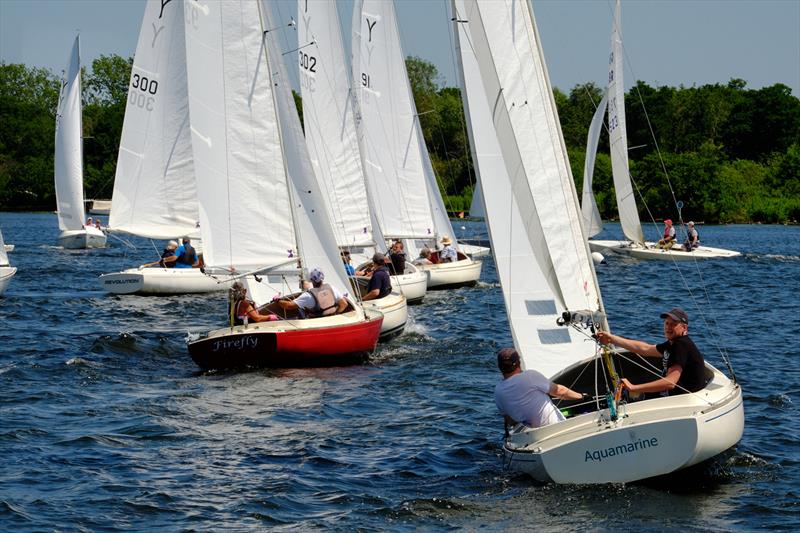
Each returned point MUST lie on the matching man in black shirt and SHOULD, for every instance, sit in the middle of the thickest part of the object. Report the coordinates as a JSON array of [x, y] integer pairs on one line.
[[380, 284], [682, 363]]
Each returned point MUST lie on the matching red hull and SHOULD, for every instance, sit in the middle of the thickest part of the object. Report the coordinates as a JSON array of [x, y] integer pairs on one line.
[[325, 346]]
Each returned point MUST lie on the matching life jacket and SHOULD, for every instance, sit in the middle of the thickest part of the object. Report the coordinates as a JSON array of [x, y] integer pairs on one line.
[[188, 257], [238, 318], [324, 299], [669, 233]]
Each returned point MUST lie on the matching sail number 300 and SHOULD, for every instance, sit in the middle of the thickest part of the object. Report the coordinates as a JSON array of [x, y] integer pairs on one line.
[[143, 97]]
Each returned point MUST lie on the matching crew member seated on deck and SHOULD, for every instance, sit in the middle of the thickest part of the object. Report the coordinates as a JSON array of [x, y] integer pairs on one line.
[[424, 257], [524, 397], [168, 257], [692, 238], [244, 310], [447, 254], [321, 299], [668, 239], [380, 284], [683, 367], [186, 257]]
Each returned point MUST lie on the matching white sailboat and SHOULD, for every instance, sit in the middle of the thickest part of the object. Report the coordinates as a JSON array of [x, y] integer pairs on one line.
[[635, 244], [401, 181], [262, 213], [6, 270], [154, 188], [69, 162], [546, 274], [333, 146]]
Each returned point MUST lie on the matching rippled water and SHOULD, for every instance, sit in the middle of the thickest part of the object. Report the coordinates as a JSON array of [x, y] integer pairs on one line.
[[108, 425]]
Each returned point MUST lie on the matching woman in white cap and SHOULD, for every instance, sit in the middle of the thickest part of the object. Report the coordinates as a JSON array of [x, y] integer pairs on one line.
[[447, 254]]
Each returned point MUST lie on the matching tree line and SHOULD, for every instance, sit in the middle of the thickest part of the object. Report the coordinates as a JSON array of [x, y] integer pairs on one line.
[[730, 153]]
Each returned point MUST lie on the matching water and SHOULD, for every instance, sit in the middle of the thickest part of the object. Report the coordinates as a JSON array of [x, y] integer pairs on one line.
[[107, 425]]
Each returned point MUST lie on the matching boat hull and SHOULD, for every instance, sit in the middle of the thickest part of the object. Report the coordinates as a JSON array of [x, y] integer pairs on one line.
[[9, 247], [81, 239], [6, 273], [413, 285], [651, 438], [677, 253], [451, 275], [395, 314], [328, 341], [163, 281]]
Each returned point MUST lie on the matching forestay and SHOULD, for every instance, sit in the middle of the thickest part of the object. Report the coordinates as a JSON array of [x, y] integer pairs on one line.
[[393, 161], [69, 146], [618, 138], [592, 222], [154, 188], [329, 121], [531, 204], [244, 211]]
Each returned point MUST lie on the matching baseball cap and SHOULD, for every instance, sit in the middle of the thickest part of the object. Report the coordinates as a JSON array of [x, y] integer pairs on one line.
[[507, 359], [677, 314], [316, 276]]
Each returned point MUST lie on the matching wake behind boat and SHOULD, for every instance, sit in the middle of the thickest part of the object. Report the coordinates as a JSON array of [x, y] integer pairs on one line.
[[549, 285]]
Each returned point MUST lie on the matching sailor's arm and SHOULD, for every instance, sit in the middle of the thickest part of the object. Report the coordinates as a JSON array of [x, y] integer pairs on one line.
[[560, 391], [639, 347]]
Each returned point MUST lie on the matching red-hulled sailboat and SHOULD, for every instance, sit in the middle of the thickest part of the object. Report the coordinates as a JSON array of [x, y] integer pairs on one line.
[[261, 210]]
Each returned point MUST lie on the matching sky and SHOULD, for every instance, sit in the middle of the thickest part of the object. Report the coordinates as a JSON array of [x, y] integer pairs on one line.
[[667, 42]]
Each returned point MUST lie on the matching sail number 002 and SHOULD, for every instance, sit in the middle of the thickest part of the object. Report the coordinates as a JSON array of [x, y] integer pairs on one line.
[[308, 62]]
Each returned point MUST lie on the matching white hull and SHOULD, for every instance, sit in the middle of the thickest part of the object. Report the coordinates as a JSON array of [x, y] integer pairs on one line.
[[9, 247], [395, 313], [474, 250], [677, 253], [158, 280], [458, 273], [82, 238], [6, 273], [650, 438], [413, 285]]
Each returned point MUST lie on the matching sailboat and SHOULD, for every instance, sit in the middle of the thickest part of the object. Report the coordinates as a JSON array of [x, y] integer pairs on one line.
[[262, 214], [549, 285], [69, 162], [405, 195], [154, 188], [635, 244], [333, 146], [6, 270]]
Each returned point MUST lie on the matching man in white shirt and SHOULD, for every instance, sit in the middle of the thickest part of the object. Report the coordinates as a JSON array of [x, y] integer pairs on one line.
[[524, 397]]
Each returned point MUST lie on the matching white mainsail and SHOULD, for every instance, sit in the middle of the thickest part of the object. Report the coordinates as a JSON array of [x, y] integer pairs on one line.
[[260, 207], [329, 121], [393, 161], [154, 188], [531, 204], [591, 215], [618, 137], [315, 236], [69, 146]]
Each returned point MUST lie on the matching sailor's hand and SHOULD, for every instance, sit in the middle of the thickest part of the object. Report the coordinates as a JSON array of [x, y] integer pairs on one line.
[[603, 337], [628, 385], [277, 297]]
